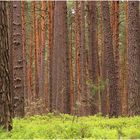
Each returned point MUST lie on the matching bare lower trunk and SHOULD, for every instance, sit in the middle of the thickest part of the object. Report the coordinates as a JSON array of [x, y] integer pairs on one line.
[[133, 59], [5, 75], [17, 46], [110, 63]]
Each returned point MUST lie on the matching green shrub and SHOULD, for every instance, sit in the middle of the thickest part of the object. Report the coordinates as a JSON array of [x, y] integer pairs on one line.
[[62, 127]]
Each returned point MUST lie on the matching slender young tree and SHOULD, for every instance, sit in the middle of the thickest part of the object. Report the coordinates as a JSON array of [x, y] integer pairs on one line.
[[30, 61], [50, 51], [42, 48], [36, 45], [133, 59], [71, 67], [77, 59], [5, 75], [24, 50], [82, 58], [124, 66]]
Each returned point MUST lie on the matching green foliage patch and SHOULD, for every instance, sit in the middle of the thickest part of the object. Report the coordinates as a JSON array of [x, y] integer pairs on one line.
[[67, 127]]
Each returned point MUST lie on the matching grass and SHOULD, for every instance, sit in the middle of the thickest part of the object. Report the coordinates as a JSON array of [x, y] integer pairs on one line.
[[63, 127]]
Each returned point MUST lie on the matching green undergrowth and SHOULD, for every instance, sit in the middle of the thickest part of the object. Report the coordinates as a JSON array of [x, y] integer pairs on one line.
[[68, 127]]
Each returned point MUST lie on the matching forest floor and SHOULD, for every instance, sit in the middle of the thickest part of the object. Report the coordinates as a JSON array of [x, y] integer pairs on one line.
[[69, 127]]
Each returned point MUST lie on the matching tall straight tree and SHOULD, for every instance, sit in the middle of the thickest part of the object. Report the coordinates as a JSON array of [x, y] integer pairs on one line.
[[60, 70], [115, 37], [30, 69], [36, 45], [104, 93], [50, 51], [124, 66], [18, 72], [77, 58], [133, 58], [117, 52], [110, 63], [82, 58], [24, 49], [71, 65], [42, 48], [66, 76], [5, 83], [93, 53]]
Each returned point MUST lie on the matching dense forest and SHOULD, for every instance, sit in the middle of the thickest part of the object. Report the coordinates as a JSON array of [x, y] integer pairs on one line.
[[69, 57]]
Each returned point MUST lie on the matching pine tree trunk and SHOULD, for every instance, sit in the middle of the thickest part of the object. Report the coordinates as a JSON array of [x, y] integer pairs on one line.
[[24, 51], [71, 68], [83, 59], [55, 58], [43, 46], [30, 71], [110, 63], [124, 67], [93, 54], [115, 33], [77, 57], [66, 61], [104, 95], [60, 70], [50, 51], [36, 44], [5, 75], [17, 60], [133, 59]]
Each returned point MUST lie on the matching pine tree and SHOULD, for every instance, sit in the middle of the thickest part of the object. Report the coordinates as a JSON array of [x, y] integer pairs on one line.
[[60, 71], [24, 50], [93, 53], [50, 52], [17, 48], [42, 48], [5, 75], [133, 59], [110, 63]]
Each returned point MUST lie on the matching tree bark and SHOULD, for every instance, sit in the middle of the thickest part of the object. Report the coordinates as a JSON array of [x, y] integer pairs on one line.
[[42, 50], [110, 63], [133, 59], [77, 57], [124, 66], [104, 94], [18, 71], [60, 70], [115, 34], [24, 51], [93, 54], [36, 45], [50, 52], [5, 74]]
